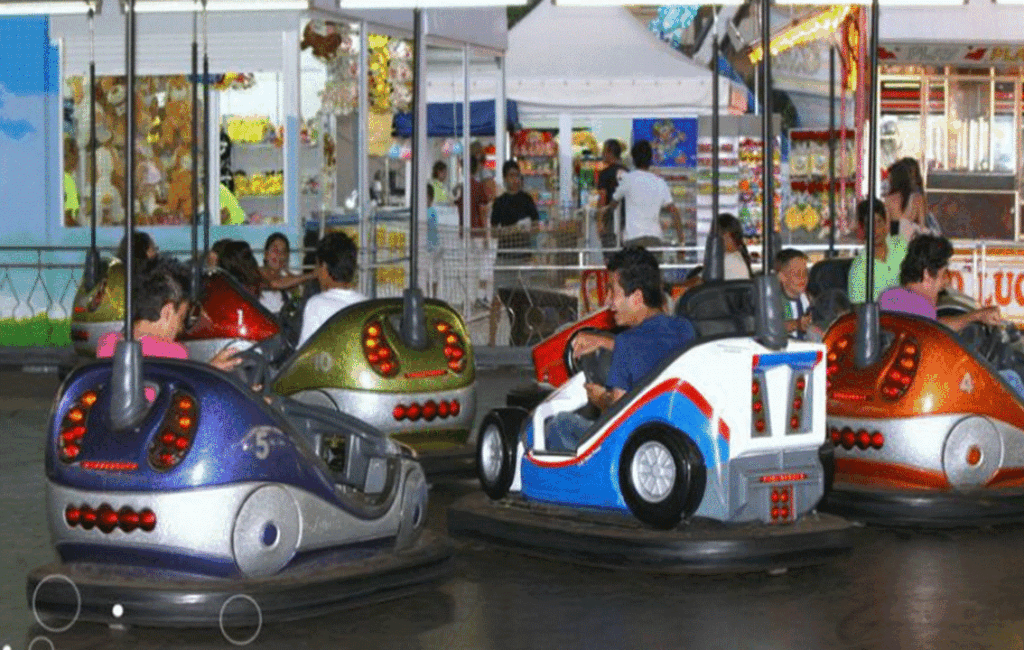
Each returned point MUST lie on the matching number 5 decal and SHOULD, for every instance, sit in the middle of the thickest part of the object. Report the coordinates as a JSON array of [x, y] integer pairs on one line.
[[262, 446], [260, 440]]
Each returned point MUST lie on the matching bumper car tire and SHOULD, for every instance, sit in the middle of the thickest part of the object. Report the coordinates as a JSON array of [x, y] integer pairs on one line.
[[662, 476], [496, 449]]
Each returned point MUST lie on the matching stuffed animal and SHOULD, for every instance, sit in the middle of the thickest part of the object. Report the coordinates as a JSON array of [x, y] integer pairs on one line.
[[323, 38]]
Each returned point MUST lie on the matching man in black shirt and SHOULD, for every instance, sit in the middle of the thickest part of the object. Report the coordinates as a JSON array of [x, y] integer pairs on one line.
[[513, 214], [607, 181]]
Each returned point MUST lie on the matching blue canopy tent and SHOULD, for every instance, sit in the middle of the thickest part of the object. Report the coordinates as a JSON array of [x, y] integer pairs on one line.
[[444, 119]]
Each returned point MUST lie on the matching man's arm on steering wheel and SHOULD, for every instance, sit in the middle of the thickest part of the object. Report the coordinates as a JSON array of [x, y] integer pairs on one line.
[[986, 315], [602, 397], [587, 342]]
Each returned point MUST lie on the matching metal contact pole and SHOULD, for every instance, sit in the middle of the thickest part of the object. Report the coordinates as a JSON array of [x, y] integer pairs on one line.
[[768, 166]]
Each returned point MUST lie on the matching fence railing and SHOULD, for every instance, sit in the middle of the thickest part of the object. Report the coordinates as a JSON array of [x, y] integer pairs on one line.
[[513, 286]]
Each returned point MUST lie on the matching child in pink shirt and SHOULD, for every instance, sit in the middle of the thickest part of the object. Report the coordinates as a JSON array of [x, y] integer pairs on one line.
[[161, 305]]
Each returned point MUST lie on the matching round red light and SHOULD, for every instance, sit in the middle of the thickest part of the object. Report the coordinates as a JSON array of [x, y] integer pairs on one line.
[[456, 407], [88, 517], [794, 422], [755, 387], [166, 459], [451, 339], [370, 343], [836, 436], [843, 342], [849, 438], [910, 349], [184, 422], [167, 438], [784, 512], [448, 351], [877, 440], [72, 451], [895, 375], [832, 356], [863, 439], [185, 404], [399, 412], [147, 520], [372, 357], [758, 405], [759, 425], [181, 443], [442, 409], [386, 367], [373, 331], [107, 518], [413, 412], [798, 404], [72, 515], [429, 411], [455, 365], [775, 513], [457, 353], [831, 370], [442, 327], [775, 496], [784, 496], [128, 518], [801, 383], [88, 398], [76, 415], [384, 352]]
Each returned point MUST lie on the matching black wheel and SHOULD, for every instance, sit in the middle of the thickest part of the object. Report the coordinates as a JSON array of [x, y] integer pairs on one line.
[[662, 476], [496, 450]]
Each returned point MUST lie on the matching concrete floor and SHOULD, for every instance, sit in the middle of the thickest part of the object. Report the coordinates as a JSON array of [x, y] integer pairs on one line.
[[897, 589]]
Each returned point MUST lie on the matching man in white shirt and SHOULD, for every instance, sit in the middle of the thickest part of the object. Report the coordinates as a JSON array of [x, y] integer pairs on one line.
[[336, 256], [646, 194]]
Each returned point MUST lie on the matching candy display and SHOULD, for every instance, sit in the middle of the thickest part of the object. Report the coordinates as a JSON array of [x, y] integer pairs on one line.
[[807, 216]]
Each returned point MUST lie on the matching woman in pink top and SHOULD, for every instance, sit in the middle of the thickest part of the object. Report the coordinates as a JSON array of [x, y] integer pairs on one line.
[[924, 273], [161, 305]]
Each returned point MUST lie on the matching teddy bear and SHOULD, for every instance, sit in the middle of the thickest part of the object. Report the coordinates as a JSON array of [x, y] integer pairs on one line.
[[323, 38]]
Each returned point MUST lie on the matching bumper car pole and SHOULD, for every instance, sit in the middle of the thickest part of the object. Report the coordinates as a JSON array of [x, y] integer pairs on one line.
[[714, 252], [414, 327], [867, 341], [128, 404], [92, 258]]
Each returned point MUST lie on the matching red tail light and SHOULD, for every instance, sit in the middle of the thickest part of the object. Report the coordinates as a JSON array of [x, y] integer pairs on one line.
[[107, 520], [901, 373], [429, 411], [837, 356], [454, 346], [781, 504], [177, 431], [758, 410], [73, 428], [797, 415], [376, 350]]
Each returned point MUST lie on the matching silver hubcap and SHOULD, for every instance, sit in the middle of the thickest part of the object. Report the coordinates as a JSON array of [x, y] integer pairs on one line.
[[653, 471], [491, 452]]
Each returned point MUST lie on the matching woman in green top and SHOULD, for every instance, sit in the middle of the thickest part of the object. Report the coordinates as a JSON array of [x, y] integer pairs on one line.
[[889, 254]]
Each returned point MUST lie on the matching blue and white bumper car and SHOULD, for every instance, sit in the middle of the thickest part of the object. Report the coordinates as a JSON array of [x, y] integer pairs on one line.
[[710, 465]]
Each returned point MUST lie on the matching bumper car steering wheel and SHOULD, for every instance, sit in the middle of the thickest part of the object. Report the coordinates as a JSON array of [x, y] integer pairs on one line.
[[257, 361]]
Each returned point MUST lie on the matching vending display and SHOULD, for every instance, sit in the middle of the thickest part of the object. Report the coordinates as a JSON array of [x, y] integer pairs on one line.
[[806, 217]]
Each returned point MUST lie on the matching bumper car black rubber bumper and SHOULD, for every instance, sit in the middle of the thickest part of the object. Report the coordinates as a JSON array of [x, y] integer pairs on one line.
[[927, 509], [147, 598], [699, 546]]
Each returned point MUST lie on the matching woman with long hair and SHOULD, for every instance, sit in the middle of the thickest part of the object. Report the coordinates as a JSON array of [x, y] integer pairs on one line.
[[277, 277], [737, 258], [237, 259], [905, 204]]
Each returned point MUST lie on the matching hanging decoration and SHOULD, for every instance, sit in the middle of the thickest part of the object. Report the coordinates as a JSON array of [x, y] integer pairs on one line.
[[671, 22], [389, 72]]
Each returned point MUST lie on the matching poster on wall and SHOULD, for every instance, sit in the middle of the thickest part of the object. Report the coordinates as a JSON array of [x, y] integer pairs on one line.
[[674, 140]]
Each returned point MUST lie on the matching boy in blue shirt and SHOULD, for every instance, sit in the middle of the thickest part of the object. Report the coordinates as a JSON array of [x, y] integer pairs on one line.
[[637, 302]]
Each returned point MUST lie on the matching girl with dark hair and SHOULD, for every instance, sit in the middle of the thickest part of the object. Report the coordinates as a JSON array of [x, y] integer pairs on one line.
[[143, 248], [277, 277], [737, 258], [237, 259], [905, 204]]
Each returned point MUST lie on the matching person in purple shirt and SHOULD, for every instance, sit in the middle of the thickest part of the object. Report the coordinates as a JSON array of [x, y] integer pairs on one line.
[[637, 302], [924, 273]]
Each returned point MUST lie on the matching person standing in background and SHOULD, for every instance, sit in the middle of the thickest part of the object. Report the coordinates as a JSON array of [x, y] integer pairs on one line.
[[905, 204], [607, 183], [439, 180], [71, 201], [647, 194]]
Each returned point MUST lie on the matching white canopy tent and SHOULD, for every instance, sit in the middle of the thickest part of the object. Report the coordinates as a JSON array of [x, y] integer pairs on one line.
[[601, 61]]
